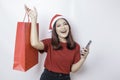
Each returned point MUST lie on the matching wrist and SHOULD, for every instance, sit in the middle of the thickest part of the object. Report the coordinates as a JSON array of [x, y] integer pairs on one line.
[[34, 19]]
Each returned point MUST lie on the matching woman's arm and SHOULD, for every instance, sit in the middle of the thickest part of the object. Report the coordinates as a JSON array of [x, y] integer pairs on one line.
[[75, 67], [34, 39]]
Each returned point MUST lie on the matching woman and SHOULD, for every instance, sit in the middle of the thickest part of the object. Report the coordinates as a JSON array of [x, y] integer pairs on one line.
[[63, 53]]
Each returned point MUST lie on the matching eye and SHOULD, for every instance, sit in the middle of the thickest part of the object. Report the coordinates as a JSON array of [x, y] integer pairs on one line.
[[65, 23], [58, 25]]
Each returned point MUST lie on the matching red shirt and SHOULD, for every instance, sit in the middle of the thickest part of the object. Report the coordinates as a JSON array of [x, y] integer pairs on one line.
[[60, 60]]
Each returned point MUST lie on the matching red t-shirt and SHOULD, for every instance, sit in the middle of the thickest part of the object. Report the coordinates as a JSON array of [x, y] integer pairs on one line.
[[60, 60]]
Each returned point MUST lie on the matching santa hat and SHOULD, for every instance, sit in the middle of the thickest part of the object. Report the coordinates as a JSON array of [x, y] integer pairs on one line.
[[54, 19]]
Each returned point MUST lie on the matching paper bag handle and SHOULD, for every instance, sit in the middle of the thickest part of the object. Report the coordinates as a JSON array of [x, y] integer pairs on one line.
[[25, 17]]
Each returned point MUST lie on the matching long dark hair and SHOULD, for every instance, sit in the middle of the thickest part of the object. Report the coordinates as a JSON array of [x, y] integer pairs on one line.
[[55, 40]]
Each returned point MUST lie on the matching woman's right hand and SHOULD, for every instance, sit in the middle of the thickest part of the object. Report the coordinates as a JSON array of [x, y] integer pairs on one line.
[[31, 13]]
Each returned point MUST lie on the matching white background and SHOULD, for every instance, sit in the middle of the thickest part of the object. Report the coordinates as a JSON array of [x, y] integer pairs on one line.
[[96, 20]]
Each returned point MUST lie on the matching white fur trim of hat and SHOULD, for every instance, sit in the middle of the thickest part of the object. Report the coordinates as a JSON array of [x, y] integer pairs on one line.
[[53, 20]]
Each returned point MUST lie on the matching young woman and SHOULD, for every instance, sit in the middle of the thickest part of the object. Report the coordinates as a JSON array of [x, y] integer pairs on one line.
[[63, 53]]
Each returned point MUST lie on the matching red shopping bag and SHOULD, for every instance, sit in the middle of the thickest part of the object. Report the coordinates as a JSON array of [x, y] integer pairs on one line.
[[25, 56]]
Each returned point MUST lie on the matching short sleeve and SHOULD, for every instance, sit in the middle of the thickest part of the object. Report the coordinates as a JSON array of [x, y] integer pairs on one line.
[[46, 43], [77, 55]]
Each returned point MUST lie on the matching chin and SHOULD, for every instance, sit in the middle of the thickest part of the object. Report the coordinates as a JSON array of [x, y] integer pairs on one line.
[[64, 36]]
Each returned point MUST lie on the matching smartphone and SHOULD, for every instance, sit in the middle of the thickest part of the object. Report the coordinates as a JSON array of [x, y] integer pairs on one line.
[[88, 44]]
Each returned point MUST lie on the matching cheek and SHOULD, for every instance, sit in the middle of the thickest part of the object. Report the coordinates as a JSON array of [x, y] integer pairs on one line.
[[68, 29], [57, 31]]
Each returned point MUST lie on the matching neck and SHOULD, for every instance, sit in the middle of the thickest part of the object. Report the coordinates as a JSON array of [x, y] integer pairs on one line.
[[62, 40]]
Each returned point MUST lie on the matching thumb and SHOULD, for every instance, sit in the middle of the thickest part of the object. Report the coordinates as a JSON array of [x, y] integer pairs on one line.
[[35, 9]]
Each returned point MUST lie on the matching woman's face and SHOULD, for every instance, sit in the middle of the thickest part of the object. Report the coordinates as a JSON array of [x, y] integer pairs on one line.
[[62, 28]]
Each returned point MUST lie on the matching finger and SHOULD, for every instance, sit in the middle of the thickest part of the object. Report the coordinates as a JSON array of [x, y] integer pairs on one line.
[[26, 8], [35, 9], [82, 54], [85, 50]]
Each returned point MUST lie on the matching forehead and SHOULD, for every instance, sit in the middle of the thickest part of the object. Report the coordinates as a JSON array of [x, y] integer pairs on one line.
[[60, 20]]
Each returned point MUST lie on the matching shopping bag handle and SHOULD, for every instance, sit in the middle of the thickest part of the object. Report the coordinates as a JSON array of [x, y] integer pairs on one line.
[[25, 17]]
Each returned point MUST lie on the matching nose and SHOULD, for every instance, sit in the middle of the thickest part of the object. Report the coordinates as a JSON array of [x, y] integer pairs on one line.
[[63, 26]]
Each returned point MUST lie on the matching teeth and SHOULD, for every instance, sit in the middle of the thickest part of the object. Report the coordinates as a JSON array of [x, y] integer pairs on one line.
[[63, 31]]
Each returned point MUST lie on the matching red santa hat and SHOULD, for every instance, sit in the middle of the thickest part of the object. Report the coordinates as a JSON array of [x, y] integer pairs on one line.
[[54, 19]]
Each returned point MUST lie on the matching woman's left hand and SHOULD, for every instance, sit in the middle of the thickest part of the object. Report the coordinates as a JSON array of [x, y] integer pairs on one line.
[[84, 52]]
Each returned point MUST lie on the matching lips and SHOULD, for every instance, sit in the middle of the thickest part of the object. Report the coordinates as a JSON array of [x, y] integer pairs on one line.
[[63, 31]]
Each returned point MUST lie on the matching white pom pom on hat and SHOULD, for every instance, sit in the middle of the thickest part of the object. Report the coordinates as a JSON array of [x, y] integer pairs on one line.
[[53, 20]]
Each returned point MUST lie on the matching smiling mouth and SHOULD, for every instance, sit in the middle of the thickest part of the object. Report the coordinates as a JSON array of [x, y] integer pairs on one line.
[[63, 31]]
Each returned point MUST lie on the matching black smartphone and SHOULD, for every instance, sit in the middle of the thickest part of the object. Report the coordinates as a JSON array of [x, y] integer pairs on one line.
[[88, 44]]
